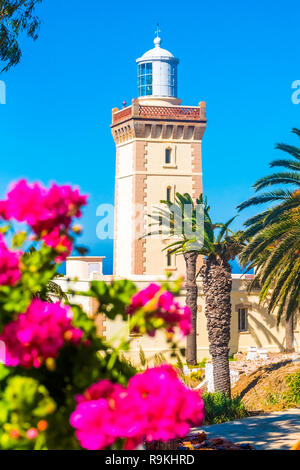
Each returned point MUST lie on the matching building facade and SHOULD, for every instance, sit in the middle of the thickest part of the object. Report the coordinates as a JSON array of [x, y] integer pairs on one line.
[[251, 325]]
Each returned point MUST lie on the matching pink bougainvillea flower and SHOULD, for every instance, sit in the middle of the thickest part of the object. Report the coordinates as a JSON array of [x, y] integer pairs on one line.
[[93, 421], [155, 303], [14, 433], [44, 210], [24, 203], [121, 418], [143, 297], [38, 334], [155, 406], [32, 433], [60, 243], [48, 212], [101, 389], [172, 408], [9, 265]]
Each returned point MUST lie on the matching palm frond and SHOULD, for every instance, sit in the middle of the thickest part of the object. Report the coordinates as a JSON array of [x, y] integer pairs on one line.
[[290, 149], [277, 178], [289, 164]]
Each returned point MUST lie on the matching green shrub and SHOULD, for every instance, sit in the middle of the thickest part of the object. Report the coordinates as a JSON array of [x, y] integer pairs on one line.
[[199, 375], [159, 359], [219, 408], [272, 398], [179, 363], [24, 403], [293, 393], [202, 363], [199, 364]]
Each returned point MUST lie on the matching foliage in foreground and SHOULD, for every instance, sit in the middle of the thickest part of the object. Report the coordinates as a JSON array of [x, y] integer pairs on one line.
[[220, 408], [62, 386]]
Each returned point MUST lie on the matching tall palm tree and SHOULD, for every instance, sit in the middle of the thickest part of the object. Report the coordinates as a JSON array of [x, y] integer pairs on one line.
[[218, 245], [274, 239], [180, 221], [221, 245]]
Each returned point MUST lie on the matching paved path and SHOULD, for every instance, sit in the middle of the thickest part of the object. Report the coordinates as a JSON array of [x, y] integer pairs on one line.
[[277, 430]]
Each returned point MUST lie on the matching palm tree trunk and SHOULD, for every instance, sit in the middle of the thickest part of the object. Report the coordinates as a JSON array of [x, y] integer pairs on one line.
[[217, 283], [191, 301], [289, 334], [221, 373]]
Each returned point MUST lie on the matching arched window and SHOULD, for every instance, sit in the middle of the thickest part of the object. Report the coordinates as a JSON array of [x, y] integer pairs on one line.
[[168, 156]]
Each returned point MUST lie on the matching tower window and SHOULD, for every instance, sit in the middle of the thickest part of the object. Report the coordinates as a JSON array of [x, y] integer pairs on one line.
[[145, 79], [168, 154], [169, 193], [242, 320], [173, 80]]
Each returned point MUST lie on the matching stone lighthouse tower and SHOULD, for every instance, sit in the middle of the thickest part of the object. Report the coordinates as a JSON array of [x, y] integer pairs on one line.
[[158, 153]]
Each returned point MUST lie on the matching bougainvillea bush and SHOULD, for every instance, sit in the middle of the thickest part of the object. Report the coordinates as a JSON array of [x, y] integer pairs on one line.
[[61, 385]]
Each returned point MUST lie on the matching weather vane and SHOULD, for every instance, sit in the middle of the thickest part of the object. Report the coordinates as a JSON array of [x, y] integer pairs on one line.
[[157, 30]]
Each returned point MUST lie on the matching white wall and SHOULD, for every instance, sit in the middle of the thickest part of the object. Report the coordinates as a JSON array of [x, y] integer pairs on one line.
[[124, 210]]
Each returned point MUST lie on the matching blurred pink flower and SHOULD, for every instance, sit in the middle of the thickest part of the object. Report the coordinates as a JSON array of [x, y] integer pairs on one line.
[[155, 406], [38, 334], [93, 421], [48, 212], [60, 243], [156, 303], [32, 433], [172, 408], [9, 265], [42, 209], [24, 203], [101, 389], [143, 297]]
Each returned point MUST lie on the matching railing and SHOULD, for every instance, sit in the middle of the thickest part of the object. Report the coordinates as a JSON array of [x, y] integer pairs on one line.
[[122, 115], [173, 112], [182, 113]]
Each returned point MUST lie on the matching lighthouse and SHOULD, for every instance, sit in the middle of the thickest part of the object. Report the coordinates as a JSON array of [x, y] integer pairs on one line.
[[158, 153]]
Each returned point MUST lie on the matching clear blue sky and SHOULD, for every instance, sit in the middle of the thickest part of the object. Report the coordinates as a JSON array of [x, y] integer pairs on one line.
[[239, 57]]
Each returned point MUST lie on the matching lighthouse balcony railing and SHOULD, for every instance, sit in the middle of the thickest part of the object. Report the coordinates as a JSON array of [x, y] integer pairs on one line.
[[173, 112], [190, 113]]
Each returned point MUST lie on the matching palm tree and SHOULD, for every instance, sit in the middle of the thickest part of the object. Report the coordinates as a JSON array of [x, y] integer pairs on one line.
[[180, 221], [274, 239], [51, 291], [218, 245], [221, 245]]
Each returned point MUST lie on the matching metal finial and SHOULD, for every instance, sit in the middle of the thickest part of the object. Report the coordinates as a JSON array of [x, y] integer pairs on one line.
[[157, 30]]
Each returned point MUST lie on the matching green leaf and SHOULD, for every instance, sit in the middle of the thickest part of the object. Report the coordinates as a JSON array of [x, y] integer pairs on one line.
[[19, 239]]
